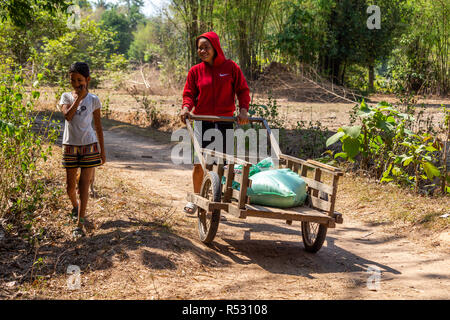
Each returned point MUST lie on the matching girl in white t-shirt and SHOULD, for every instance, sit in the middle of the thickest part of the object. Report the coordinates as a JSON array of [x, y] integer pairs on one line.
[[80, 141]]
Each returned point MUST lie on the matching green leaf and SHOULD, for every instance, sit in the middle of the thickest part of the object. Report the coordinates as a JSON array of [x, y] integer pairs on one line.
[[341, 155], [407, 160], [430, 148], [430, 170], [334, 138], [390, 119], [409, 132], [396, 171], [353, 132], [383, 125], [351, 147], [386, 173], [36, 94]]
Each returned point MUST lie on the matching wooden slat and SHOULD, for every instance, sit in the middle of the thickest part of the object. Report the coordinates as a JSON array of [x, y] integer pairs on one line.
[[291, 158], [197, 147], [236, 194], [303, 170], [318, 185], [290, 214], [238, 177], [320, 204], [324, 166], [235, 211], [317, 176], [205, 203], [228, 191], [244, 185], [229, 158], [313, 164], [333, 195], [290, 164]]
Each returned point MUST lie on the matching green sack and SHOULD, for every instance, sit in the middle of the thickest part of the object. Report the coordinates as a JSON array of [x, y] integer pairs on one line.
[[280, 188], [264, 164]]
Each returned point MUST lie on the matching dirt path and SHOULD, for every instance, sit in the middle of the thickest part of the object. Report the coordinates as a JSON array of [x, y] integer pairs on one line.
[[265, 259]]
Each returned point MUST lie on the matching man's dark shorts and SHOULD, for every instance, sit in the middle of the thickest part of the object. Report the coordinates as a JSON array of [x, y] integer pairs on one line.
[[201, 128]]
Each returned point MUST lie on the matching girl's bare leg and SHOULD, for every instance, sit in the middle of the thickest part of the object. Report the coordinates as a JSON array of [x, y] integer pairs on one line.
[[71, 180], [83, 187]]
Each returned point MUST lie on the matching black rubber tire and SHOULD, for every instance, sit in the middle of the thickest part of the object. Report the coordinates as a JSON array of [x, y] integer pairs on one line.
[[313, 244], [208, 222]]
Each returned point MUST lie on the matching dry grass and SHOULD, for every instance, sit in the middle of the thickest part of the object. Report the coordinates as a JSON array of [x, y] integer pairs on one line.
[[398, 208], [128, 219]]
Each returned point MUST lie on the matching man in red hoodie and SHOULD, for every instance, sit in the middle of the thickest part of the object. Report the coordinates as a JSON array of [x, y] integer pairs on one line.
[[210, 89]]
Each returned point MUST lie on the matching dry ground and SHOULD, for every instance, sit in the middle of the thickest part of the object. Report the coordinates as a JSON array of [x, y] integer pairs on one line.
[[145, 247]]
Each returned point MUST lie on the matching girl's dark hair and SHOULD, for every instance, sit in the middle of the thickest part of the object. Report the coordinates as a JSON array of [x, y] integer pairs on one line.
[[81, 68]]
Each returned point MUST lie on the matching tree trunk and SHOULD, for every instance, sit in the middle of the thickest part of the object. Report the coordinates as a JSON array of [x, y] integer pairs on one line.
[[371, 77]]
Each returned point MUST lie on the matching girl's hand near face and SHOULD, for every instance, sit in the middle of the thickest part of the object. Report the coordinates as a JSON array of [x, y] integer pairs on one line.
[[80, 92]]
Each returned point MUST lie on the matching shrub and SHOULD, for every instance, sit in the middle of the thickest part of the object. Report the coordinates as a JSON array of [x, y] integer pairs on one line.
[[386, 147], [22, 145]]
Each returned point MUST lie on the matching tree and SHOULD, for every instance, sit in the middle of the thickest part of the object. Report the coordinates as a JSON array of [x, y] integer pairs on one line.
[[332, 35], [21, 11], [90, 44], [245, 22], [197, 18], [146, 44], [120, 25], [134, 12], [20, 42], [379, 43]]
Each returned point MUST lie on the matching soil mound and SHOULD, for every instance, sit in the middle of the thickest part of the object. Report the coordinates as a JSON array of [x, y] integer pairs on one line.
[[302, 85]]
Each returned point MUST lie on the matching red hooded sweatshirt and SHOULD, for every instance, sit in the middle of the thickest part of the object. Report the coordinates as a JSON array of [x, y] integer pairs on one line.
[[212, 89]]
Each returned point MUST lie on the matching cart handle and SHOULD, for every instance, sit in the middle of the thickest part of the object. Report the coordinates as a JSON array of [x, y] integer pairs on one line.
[[221, 119]]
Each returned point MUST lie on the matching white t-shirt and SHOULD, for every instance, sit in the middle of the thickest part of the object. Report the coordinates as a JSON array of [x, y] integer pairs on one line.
[[79, 131]]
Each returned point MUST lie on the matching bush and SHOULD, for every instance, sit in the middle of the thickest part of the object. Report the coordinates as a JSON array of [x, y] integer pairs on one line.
[[22, 146], [386, 147]]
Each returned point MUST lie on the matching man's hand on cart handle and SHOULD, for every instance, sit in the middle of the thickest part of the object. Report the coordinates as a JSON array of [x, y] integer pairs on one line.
[[242, 117], [184, 114]]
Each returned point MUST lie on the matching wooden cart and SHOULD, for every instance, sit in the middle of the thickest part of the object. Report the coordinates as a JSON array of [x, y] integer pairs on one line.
[[316, 215]]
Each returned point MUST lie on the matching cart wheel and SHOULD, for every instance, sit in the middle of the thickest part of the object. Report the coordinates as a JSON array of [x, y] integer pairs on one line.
[[208, 222], [313, 233]]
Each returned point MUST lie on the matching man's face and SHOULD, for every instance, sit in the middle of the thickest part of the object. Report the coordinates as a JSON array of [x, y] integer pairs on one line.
[[205, 50], [77, 81]]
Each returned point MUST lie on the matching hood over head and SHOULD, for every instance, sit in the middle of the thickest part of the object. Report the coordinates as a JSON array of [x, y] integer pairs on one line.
[[214, 39]]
